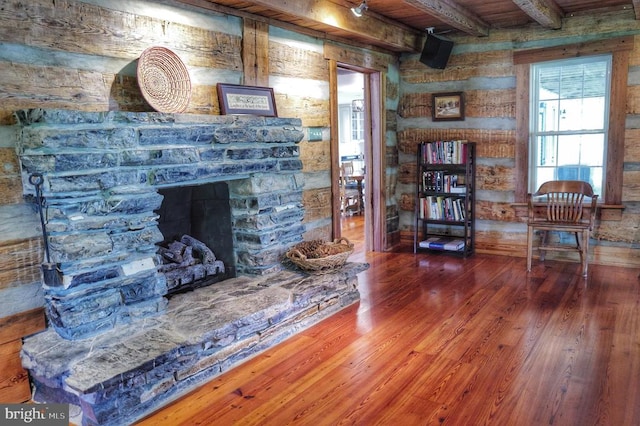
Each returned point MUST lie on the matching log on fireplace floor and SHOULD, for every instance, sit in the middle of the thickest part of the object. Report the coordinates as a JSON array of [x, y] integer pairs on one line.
[[120, 376]]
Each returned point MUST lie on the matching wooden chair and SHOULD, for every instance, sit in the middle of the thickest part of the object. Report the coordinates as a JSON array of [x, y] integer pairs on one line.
[[559, 206], [349, 196], [347, 168]]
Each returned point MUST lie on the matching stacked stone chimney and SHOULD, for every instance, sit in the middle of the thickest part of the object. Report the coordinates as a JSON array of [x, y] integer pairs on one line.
[[101, 174]]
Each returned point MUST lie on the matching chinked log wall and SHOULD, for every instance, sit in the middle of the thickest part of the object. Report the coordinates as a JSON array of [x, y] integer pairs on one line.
[[14, 383], [483, 69]]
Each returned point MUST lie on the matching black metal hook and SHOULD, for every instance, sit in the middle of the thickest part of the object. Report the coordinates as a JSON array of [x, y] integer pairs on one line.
[[36, 179]]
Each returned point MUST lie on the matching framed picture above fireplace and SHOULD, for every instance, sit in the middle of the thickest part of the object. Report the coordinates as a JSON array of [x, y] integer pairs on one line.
[[254, 100]]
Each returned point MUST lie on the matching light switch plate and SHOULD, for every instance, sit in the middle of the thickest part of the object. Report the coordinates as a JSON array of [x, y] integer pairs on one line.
[[315, 134]]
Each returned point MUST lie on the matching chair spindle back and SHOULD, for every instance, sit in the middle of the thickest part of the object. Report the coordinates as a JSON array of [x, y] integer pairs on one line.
[[564, 206]]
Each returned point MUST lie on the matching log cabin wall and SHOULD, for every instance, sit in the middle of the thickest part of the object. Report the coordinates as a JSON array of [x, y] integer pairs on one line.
[[483, 68]]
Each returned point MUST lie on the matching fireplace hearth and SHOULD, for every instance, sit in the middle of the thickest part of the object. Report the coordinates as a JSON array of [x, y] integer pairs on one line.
[[123, 374]]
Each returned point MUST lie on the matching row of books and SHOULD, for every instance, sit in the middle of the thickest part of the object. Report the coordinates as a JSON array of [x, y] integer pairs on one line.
[[437, 180], [444, 152], [441, 208], [442, 243]]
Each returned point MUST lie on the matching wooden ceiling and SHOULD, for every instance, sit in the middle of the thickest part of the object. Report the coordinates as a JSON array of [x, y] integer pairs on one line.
[[400, 25]]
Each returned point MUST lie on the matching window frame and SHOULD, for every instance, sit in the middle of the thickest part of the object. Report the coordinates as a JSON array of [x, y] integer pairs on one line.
[[558, 133], [357, 125], [620, 49]]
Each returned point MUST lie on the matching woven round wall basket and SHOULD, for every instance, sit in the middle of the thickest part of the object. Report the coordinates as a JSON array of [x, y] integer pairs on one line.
[[164, 80]]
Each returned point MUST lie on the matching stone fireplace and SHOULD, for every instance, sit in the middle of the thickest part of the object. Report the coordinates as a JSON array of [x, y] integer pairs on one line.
[[116, 345], [102, 177]]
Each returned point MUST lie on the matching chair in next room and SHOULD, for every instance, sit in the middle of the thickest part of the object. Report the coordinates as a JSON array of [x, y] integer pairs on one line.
[[349, 196]]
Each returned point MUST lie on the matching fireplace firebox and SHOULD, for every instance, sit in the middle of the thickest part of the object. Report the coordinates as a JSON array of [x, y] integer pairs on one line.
[[198, 242]]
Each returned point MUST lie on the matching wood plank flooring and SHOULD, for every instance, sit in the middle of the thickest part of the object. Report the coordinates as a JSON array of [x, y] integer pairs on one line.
[[353, 230], [437, 340]]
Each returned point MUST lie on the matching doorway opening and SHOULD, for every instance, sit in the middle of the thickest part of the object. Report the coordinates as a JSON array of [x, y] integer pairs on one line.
[[352, 153], [372, 180]]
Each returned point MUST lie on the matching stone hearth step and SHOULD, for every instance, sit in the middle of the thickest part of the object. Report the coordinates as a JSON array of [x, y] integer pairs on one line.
[[122, 375]]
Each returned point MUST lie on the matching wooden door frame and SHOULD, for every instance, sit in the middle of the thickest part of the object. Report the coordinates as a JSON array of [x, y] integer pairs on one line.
[[374, 191]]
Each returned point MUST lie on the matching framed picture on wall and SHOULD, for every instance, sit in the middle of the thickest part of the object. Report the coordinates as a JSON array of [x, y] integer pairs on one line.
[[237, 99], [448, 106]]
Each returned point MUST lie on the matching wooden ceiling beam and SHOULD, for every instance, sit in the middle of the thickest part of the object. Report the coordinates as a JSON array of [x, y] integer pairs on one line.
[[211, 6], [545, 12], [324, 13], [453, 14]]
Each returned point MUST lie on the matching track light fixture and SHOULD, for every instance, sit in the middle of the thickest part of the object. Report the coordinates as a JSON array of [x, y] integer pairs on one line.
[[358, 11]]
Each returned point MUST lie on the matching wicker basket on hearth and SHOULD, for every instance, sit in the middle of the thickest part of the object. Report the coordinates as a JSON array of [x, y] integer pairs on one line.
[[317, 255]]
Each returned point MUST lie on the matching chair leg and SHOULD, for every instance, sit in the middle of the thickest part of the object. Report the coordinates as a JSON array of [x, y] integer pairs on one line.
[[543, 242], [584, 251], [529, 246], [580, 249]]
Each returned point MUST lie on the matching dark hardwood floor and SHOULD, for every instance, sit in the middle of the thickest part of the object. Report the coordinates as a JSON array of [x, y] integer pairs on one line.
[[437, 339]]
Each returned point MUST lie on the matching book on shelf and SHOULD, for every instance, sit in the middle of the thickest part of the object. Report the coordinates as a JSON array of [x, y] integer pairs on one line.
[[442, 243], [441, 208], [458, 190], [439, 181], [444, 152]]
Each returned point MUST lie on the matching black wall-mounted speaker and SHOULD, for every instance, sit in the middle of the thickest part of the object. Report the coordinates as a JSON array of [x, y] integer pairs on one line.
[[436, 51]]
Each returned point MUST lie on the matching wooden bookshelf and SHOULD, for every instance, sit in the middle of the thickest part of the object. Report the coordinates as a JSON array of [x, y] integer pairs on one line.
[[445, 197]]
